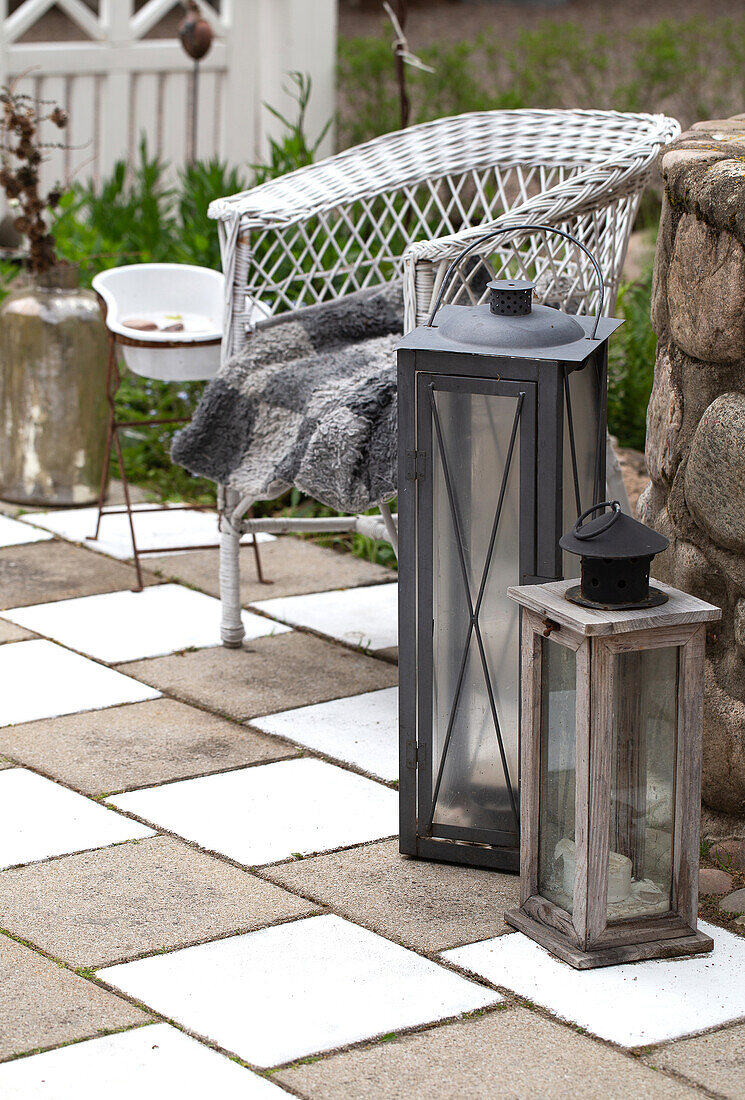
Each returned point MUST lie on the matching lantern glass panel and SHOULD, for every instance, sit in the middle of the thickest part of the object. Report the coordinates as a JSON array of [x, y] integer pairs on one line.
[[584, 399], [643, 783], [473, 790], [557, 774]]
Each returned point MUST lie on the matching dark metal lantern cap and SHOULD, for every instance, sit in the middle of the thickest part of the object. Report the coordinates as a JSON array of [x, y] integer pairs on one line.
[[511, 297], [615, 555], [612, 536]]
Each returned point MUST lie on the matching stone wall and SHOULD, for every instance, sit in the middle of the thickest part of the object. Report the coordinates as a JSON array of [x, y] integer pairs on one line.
[[696, 421]]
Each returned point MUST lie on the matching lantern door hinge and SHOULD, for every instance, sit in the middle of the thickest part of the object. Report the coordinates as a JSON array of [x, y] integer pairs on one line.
[[412, 754], [416, 465]]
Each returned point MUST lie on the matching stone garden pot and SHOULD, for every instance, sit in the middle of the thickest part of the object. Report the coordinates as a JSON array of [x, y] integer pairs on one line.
[[53, 412]]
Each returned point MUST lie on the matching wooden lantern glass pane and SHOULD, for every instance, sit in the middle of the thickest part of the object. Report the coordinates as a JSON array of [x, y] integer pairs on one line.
[[557, 774], [645, 690], [473, 791]]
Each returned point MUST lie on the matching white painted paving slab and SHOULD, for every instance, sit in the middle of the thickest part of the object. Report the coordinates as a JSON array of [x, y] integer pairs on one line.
[[39, 819], [634, 1004], [13, 533], [127, 626], [172, 527], [39, 679], [281, 993], [361, 730], [267, 812], [365, 617], [148, 1062]]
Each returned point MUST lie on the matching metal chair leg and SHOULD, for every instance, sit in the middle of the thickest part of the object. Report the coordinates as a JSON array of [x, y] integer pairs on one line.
[[231, 629], [257, 555]]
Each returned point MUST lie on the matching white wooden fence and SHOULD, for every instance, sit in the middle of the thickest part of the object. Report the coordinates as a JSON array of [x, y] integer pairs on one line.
[[118, 84]]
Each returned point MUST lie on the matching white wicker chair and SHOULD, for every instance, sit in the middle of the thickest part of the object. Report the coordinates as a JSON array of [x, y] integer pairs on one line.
[[353, 221]]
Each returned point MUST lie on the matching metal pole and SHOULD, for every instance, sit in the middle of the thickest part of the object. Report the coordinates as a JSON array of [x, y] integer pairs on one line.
[[194, 102]]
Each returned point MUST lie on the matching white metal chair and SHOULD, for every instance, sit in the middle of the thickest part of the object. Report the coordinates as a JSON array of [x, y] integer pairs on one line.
[[404, 205]]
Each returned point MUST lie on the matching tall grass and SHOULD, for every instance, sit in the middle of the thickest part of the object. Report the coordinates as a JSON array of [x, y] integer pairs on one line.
[[692, 69]]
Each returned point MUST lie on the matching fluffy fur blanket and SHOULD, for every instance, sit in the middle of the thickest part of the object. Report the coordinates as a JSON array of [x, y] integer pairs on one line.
[[310, 401]]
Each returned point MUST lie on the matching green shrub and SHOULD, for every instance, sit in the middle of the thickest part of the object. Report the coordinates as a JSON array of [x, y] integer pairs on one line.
[[631, 364], [692, 68]]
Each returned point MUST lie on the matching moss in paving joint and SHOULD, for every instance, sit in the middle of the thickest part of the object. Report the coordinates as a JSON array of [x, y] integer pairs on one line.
[[86, 972], [101, 1033], [33, 947], [294, 1065]]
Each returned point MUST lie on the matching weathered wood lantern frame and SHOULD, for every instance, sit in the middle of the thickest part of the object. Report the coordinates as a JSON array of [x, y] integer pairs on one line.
[[613, 735]]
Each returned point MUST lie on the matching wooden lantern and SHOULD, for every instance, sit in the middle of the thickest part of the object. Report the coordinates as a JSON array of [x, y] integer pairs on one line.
[[611, 775]]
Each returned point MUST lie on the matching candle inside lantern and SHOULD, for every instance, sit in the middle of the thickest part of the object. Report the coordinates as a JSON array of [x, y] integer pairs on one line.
[[627, 897]]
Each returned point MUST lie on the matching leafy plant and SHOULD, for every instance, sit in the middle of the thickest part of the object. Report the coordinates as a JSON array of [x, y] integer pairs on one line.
[[21, 154], [198, 184], [292, 150], [128, 218], [631, 364]]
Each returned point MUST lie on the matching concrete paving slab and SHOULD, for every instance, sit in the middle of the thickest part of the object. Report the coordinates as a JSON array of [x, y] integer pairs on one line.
[[360, 730], [634, 1004], [716, 1061], [282, 993], [127, 626], [43, 680], [45, 571], [172, 527], [9, 632], [44, 1004], [263, 814], [40, 819], [138, 745], [13, 533], [294, 566], [119, 903], [149, 1062], [510, 1053], [415, 902], [266, 675], [363, 617]]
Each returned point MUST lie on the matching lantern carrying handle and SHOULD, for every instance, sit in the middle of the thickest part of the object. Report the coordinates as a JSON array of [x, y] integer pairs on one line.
[[519, 229], [615, 507]]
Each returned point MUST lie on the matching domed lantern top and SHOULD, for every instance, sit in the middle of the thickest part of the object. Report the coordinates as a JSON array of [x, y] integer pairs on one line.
[[615, 553]]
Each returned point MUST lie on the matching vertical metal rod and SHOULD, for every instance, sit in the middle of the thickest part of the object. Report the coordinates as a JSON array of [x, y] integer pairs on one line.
[[194, 100], [599, 489], [125, 486], [570, 421], [109, 433], [257, 555]]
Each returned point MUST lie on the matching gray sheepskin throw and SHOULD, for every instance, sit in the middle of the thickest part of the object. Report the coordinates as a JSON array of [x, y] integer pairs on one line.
[[310, 401]]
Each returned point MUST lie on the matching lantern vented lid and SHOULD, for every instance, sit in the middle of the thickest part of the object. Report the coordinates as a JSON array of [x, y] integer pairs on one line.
[[510, 323], [615, 556], [510, 297], [613, 535]]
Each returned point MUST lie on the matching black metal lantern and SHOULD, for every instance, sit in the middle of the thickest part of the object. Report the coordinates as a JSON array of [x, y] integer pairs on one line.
[[501, 444], [615, 555]]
